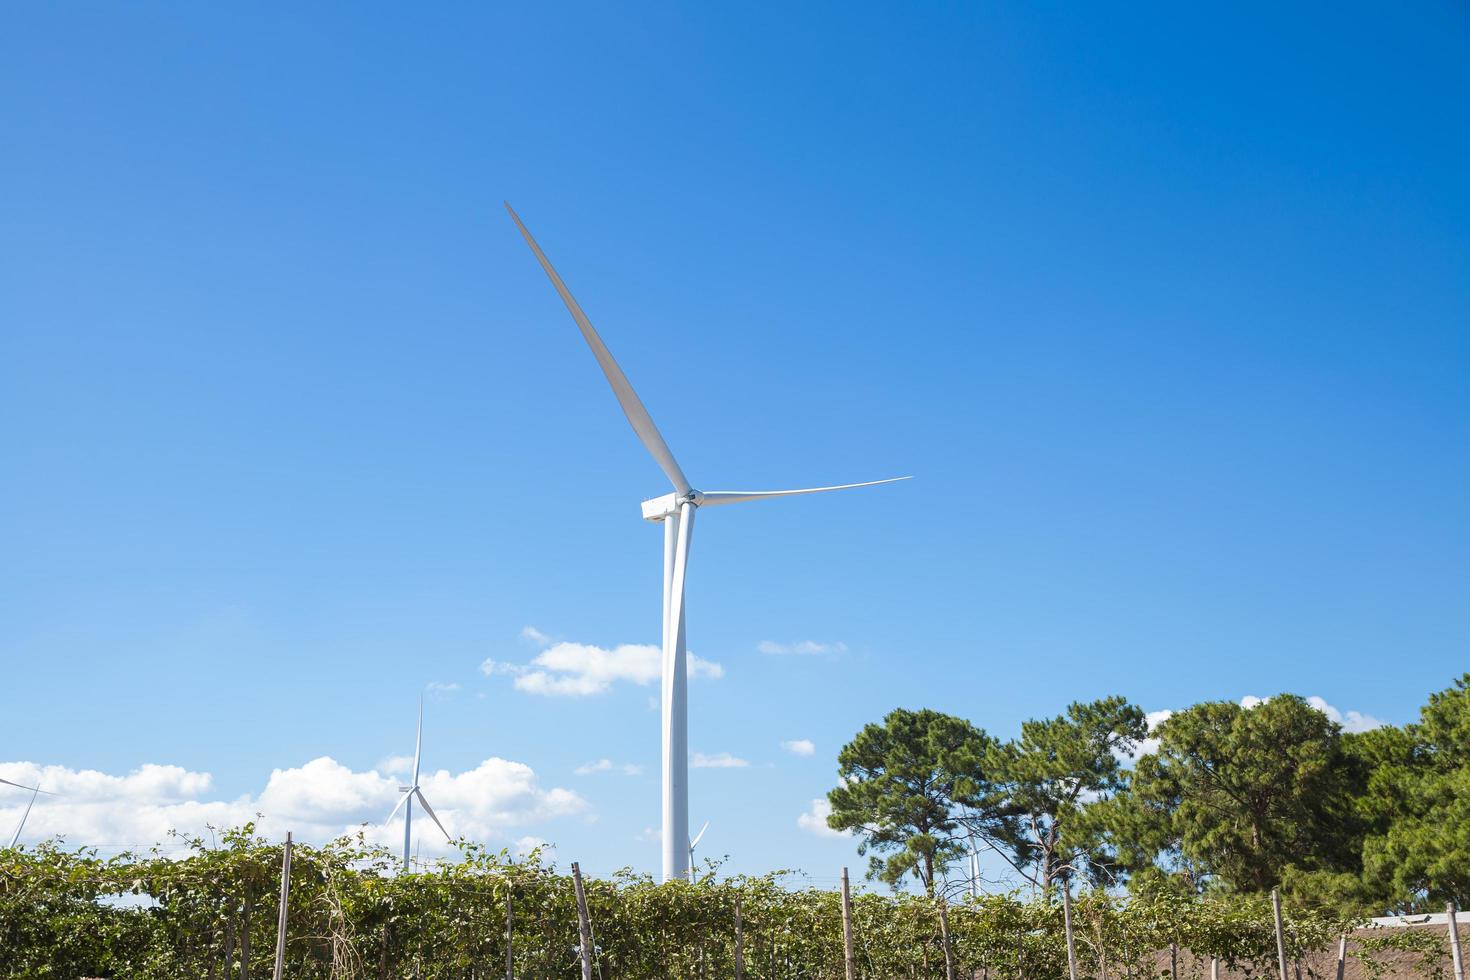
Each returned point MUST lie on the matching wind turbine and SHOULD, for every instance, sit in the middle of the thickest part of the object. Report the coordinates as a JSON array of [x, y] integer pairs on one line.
[[412, 790], [36, 790], [676, 512], [692, 845]]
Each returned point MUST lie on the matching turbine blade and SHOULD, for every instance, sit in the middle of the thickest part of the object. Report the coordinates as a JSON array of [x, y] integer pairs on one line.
[[699, 836], [683, 542], [418, 742], [633, 408], [15, 837], [714, 497], [432, 815], [401, 801], [28, 789]]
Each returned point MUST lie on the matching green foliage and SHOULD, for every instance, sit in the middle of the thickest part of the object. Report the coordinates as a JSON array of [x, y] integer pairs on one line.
[[1419, 848], [1428, 950], [903, 784], [1057, 768], [352, 916], [1233, 799], [1247, 792]]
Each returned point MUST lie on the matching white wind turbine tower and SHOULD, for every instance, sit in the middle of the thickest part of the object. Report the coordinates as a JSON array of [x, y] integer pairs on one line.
[[412, 790], [35, 791], [676, 512]]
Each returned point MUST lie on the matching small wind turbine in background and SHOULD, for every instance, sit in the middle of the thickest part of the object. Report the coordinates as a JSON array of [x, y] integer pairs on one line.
[[693, 844], [412, 790], [35, 791]]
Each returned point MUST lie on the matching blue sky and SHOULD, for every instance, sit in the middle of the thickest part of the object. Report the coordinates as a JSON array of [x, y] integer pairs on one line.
[[1165, 309]]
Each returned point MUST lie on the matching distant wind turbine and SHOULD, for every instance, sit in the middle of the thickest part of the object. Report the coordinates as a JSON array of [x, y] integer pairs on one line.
[[676, 512], [412, 790], [693, 844], [34, 791]]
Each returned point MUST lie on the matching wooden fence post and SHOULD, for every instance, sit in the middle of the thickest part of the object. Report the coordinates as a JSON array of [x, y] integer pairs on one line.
[[1280, 933], [510, 956], [280, 970], [247, 908], [739, 943], [1067, 924], [1459, 960], [584, 924], [1341, 956], [849, 961], [944, 938], [229, 942]]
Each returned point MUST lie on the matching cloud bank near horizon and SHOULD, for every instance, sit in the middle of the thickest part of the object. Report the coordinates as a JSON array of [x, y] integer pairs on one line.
[[317, 801]]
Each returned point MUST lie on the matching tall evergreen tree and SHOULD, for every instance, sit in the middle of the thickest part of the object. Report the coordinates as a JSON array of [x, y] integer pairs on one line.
[[1053, 772], [902, 784], [1249, 792], [1419, 847]]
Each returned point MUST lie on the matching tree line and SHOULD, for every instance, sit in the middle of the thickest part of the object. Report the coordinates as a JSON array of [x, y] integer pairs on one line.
[[1218, 798]]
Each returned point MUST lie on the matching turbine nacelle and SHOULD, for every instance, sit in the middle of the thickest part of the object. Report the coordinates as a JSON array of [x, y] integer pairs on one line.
[[660, 507]]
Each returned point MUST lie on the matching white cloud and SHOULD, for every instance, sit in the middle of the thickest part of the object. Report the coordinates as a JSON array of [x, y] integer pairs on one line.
[[317, 801], [441, 689], [607, 765], [649, 835], [1154, 719], [720, 760], [802, 648], [580, 669], [1351, 721], [814, 820], [525, 845], [395, 765], [601, 765], [799, 746], [532, 635]]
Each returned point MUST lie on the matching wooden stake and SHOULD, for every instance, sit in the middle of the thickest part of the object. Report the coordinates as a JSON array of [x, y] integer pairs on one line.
[[849, 961], [1280, 933], [1341, 956], [584, 925], [249, 907], [280, 970], [229, 941], [1067, 925], [510, 955], [1458, 959], [1174, 961], [944, 938], [1215, 968], [739, 943]]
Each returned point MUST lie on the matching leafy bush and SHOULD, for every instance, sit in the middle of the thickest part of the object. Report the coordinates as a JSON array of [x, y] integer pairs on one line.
[[71, 914]]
